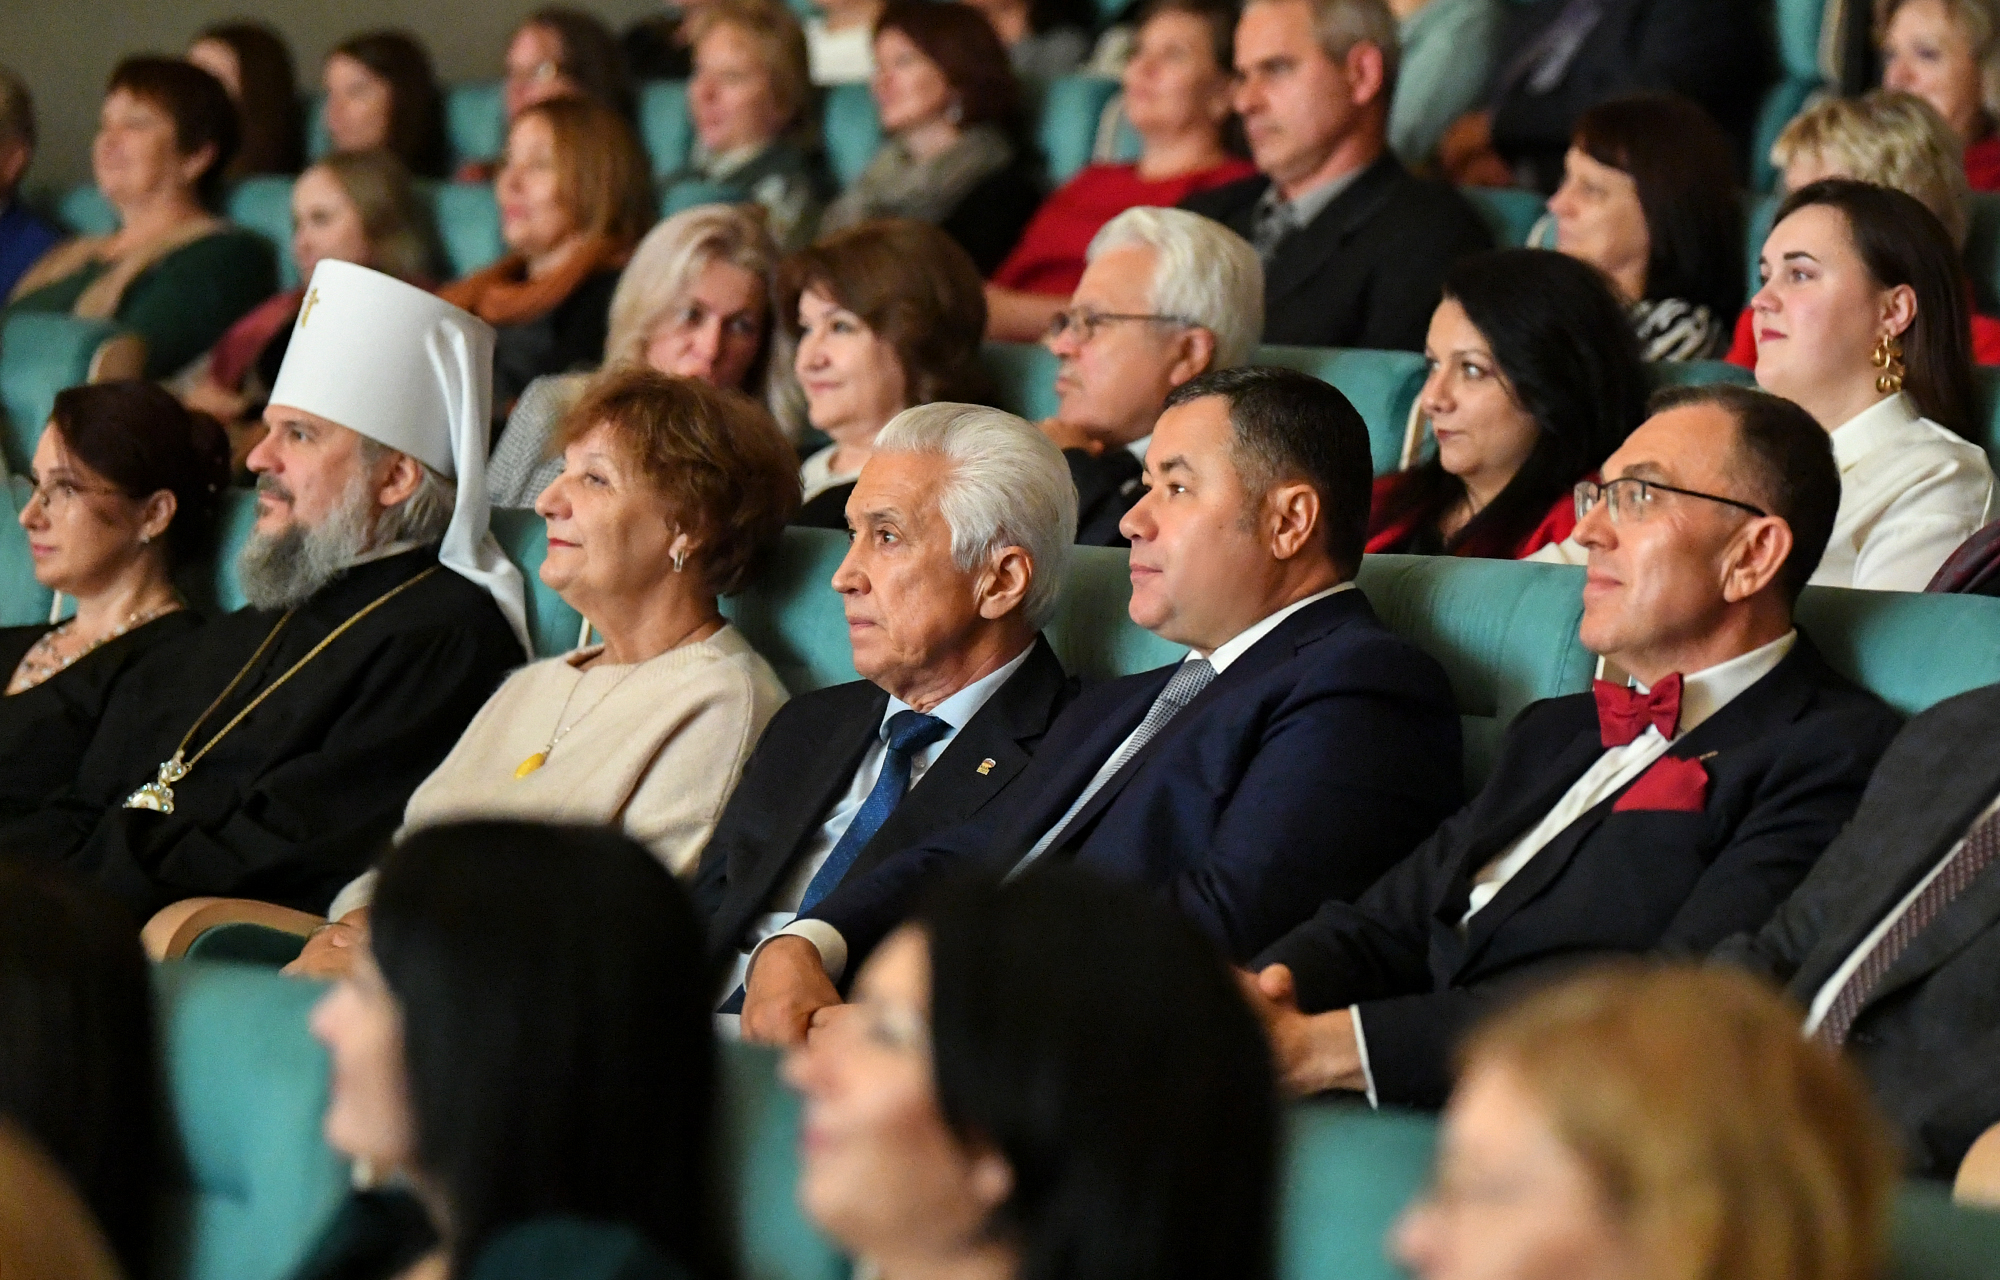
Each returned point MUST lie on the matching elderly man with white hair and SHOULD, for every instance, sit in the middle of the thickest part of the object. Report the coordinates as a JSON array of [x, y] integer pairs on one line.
[[267, 754], [1167, 296], [962, 520]]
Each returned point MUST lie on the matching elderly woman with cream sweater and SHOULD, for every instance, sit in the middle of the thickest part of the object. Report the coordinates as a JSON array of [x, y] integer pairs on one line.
[[670, 493]]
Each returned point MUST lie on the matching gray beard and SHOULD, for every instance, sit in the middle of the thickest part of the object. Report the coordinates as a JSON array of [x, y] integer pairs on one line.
[[285, 569]]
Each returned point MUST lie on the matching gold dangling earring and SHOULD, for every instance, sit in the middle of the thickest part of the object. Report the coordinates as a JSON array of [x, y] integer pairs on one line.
[[1888, 357]]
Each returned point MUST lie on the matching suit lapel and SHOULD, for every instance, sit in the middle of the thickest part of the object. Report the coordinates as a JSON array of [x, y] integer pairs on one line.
[[1302, 254], [1962, 920], [822, 777]]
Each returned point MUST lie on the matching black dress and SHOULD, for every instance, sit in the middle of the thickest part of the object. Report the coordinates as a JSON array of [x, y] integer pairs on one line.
[[380, 1235], [570, 336], [44, 730]]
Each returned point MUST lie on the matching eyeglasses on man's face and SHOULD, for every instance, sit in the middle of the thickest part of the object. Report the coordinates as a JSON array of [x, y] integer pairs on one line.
[[1630, 499], [1083, 323]]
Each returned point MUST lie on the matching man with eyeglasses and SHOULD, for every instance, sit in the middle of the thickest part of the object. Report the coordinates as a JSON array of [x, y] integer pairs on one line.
[[1166, 295], [1675, 805]]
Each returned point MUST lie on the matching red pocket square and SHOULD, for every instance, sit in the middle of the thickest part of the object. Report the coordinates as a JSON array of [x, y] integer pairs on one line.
[[1672, 785]]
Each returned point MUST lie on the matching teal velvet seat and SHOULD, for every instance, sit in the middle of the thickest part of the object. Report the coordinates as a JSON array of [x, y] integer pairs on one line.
[[42, 353], [850, 129], [665, 128], [264, 205], [84, 211], [475, 120], [467, 218], [23, 601], [1510, 213], [1066, 122]]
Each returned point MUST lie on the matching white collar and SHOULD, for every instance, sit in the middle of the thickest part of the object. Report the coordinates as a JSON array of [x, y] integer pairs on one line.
[[1137, 448], [1239, 644], [1709, 690], [958, 710], [1882, 423], [383, 553]]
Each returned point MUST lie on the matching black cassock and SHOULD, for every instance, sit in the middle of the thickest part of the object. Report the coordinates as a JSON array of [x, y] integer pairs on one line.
[[298, 798]]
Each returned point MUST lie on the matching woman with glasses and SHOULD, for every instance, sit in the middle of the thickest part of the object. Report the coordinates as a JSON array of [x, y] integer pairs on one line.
[[1862, 322], [127, 485], [1535, 379]]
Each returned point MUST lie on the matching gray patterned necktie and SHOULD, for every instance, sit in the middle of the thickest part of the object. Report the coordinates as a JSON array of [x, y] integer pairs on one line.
[[1275, 219], [1181, 689]]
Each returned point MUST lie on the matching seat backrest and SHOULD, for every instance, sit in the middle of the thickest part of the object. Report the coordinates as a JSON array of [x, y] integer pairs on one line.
[[475, 120], [23, 601], [1070, 109], [318, 140], [552, 624], [851, 130], [664, 126], [1759, 213], [1024, 377], [247, 1086], [264, 205], [212, 587], [1986, 424], [1348, 1173], [759, 1121], [1510, 214], [1908, 649], [1382, 385], [85, 211], [1698, 373], [42, 353], [468, 225]]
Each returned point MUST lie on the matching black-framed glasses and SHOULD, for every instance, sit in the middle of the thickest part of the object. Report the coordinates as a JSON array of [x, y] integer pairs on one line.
[[1084, 322], [1630, 498]]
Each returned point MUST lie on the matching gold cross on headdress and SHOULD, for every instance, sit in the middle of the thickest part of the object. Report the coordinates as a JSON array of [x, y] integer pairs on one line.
[[312, 299]]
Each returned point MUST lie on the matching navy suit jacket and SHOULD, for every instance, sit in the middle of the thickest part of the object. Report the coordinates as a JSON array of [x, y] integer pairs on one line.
[[1787, 760], [1319, 758]]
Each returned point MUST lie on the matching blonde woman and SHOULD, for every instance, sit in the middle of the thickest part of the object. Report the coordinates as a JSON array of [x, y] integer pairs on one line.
[[1654, 1124], [1947, 52], [694, 302]]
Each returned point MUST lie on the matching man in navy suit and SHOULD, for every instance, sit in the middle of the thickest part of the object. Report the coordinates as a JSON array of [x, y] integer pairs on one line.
[[1297, 752], [1662, 815]]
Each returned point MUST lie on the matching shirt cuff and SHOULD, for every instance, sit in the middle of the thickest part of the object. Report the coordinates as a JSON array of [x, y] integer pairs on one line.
[[360, 892], [1361, 1047], [825, 938]]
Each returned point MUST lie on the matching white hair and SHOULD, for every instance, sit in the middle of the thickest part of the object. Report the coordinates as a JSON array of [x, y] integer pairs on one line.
[[1204, 275], [1009, 487]]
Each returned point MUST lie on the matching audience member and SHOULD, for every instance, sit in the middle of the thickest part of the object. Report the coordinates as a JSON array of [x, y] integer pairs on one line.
[[1649, 197], [574, 199], [656, 46], [1354, 248], [254, 66], [80, 1073], [1890, 139], [840, 40], [264, 755], [1556, 59], [749, 100], [953, 153], [884, 316], [1653, 1122], [1861, 320], [1947, 52], [380, 92], [1168, 295], [24, 236], [352, 206], [46, 1231], [1009, 1097], [1666, 816], [1176, 96], [1534, 380], [173, 272], [1891, 942], [127, 484], [692, 303], [1044, 39], [523, 1046], [559, 52], [1300, 750], [1446, 63], [963, 520], [671, 494]]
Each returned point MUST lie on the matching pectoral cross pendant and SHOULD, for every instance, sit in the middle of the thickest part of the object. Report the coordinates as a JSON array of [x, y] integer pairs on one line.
[[158, 795]]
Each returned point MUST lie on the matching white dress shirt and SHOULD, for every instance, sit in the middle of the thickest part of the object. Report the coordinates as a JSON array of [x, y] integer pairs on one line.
[[1702, 695], [1827, 993], [846, 56]]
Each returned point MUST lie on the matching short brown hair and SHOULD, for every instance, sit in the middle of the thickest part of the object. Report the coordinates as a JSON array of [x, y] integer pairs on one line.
[[1730, 1147], [590, 55], [780, 41], [714, 455], [913, 285], [198, 105], [1890, 139], [601, 171], [966, 49], [392, 214], [416, 104]]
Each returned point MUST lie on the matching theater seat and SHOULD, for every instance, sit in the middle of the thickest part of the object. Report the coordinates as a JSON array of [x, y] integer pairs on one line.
[[42, 353], [664, 126], [523, 535], [1986, 417], [1510, 214], [475, 120], [1697, 373], [212, 588], [759, 1119], [23, 601], [1069, 110], [264, 205], [318, 140], [468, 225], [85, 211], [1024, 377], [1797, 26], [1382, 385], [851, 130]]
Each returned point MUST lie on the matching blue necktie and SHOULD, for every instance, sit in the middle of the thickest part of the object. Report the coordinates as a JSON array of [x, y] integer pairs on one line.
[[907, 733]]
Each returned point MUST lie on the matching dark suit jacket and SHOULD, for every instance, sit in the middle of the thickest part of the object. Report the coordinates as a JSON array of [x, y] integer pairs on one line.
[[1929, 1036], [806, 759], [1787, 760], [1369, 270], [1322, 755], [1107, 484]]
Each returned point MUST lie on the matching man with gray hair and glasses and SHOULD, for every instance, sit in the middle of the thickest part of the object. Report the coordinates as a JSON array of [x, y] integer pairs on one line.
[[23, 236], [961, 523], [1167, 295]]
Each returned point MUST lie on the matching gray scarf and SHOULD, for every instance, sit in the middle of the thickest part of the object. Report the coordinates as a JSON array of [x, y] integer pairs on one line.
[[894, 185]]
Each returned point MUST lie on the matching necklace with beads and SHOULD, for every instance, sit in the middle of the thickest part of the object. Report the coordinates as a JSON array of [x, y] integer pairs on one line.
[[40, 663]]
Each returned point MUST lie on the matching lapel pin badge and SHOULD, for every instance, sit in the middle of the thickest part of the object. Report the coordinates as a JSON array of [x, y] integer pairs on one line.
[[985, 766]]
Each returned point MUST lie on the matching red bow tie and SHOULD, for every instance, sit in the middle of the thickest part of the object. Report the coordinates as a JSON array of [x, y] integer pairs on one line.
[[1623, 714]]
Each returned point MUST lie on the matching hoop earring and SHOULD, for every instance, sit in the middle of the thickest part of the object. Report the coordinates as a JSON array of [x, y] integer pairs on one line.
[[680, 559], [1888, 357]]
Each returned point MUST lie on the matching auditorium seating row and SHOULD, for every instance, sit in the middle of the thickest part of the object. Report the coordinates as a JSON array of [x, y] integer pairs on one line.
[[247, 1087]]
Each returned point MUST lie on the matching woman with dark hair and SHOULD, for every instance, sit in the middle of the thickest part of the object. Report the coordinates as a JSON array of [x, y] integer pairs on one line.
[[1044, 38], [173, 271], [1650, 197], [127, 486], [1534, 381], [1861, 321], [78, 1066], [253, 65], [559, 52], [524, 1040], [883, 316], [1009, 1096], [381, 92], [952, 154]]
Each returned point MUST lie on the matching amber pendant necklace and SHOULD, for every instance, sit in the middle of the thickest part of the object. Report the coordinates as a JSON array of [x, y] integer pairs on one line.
[[541, 757]]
